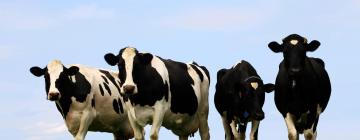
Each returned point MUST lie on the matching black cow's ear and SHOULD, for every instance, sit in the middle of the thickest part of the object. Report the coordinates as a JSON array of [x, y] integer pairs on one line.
[[111, 59], [313, 45], [72, 70], [220, 74], [269, 87], [275, 47], [37, 71], [145, 58]]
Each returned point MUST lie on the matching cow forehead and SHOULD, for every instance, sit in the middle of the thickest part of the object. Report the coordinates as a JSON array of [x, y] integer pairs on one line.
[[54, 68], [128, 53], [55, 65], [295, 39]]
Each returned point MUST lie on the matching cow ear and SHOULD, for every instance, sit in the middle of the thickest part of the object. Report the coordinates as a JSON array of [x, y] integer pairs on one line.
[[221, 73], [275, 47], [145, 58], [72, 70], [111, 59], [313, 45], [269, 87], [37, 71]]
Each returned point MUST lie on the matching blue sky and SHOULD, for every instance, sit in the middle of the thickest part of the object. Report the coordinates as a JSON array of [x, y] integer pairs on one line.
[[216, 34]]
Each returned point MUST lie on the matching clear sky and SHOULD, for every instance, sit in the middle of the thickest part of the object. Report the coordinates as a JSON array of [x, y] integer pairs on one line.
[[216, 34]]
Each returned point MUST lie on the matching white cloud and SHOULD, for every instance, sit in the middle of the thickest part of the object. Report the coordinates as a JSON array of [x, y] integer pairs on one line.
[[91, 11], [217, 18], [32, 18]]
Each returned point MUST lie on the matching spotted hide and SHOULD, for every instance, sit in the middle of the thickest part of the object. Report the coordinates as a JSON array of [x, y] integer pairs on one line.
[[163, 92], [302, 86], [239, 98], [87, 98]]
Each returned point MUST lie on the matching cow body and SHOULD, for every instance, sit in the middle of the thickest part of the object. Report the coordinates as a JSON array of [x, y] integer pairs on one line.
[[88, 99], [239, 97], [302, 86], [163, 93]]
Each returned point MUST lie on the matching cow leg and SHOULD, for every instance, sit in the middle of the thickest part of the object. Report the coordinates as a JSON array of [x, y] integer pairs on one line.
[[293, 134], [254, 130], [183, 137], [204, 112], [234, 130], [204, 127], [138, 130], [157, 120], [242, 129], [226, 126], [310, 134], [85, 121]]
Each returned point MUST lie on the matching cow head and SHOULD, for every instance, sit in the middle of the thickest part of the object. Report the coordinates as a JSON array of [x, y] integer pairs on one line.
[[56, 75], [294, 48], [252, 92], [131, 63]]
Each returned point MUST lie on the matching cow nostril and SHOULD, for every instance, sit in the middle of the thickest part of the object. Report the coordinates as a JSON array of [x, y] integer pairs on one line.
[[129, 89]]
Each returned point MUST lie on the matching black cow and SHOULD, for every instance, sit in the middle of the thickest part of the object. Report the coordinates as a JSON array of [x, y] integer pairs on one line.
[[302, 88], [163, 93], [87, 98], [239, 97]]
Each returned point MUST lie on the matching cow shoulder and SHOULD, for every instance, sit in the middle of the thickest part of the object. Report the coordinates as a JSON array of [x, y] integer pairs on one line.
[[152, 84], [82, 83], [183, 97]]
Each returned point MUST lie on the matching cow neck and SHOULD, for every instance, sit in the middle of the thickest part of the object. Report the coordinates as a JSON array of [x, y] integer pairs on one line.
[[151, 87], [68, 89]]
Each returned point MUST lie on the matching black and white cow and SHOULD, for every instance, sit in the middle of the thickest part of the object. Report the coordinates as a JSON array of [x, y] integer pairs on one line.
[[302, 88], [87, 98], [163, 92], [239, 97]]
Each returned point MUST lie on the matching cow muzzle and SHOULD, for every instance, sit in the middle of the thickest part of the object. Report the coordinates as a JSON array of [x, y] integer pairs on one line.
[[129, 89], [54, 96]]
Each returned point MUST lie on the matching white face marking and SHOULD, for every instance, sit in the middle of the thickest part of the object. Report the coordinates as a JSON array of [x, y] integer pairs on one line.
[[128, 55], [54, 68], [255, 85], [294, 42]]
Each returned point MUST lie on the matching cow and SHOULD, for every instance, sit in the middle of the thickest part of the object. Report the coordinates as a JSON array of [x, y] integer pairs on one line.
[[239, 97], [302, 88], [87, 98], [163, 92]]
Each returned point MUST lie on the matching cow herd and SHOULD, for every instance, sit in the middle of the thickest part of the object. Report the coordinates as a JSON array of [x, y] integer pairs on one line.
[[148, 89]]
